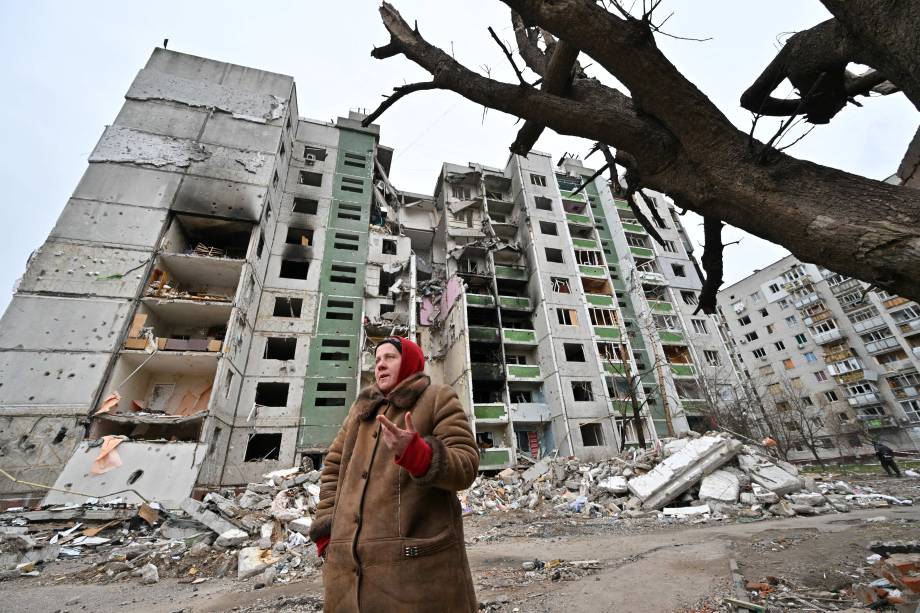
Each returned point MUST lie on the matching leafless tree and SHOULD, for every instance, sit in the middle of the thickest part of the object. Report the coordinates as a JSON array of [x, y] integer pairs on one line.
[[670, 137]]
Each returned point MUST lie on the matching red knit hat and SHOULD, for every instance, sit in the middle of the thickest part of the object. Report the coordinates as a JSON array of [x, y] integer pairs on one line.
[[413, 359]]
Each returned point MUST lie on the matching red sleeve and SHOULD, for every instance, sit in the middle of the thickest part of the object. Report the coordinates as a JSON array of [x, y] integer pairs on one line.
[[321, 545], [417, 456]]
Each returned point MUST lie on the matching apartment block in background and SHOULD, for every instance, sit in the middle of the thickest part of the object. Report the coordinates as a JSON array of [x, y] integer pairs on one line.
[[813, 340]]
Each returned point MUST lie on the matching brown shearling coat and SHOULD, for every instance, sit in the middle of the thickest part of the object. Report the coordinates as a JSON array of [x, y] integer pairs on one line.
[[396, 541]]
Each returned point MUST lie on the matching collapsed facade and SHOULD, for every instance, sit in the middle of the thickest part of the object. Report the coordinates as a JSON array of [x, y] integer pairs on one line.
[[210, 297], [831, 350]]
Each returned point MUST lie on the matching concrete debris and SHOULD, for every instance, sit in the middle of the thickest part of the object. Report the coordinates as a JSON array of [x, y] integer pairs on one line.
[[712, 476], [721, 486], [259, 532]]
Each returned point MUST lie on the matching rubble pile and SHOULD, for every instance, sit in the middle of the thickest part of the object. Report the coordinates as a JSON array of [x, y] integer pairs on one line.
[[712, 475], [260, 532]]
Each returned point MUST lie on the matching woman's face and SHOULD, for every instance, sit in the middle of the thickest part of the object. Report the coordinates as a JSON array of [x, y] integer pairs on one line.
[[386, 367]]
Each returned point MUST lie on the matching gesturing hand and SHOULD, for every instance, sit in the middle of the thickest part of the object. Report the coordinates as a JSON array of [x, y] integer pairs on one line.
[[395, 437]]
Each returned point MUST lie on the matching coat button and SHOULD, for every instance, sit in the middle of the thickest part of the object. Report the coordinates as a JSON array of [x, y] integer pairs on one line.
[[357, 518], [364, 475], [375, 434]]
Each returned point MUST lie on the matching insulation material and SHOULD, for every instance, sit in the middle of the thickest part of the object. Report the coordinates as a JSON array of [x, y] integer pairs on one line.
[[253, 163], [109, 403], [161, 472], [154, 85], [108, 458], [120, 144]]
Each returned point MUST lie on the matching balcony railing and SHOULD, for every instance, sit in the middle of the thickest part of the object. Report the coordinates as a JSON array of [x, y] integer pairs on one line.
[[869, 324], [491, 412], [484, 300], [607, 332], [897, 365], [806, 300], [660, 306], [530, 412], [634, 228], [599, 299], [496, 458], [652, 277], [823, 338], [592, 271], [693, 407], [845, 286], [873, 423], [584, 243], [882, 345], [621, 204], [671, 336], [514, 302], [641, 252], [567, 195], [523, 372], [909, 328], [513, 336], [861, 400], [581, 220], [683, 370], [483, 334], [518, 273]]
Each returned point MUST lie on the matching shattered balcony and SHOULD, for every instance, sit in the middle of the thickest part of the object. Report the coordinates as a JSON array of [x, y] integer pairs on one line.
[[179, 325], [164, 395], [660, 306], [678, 357], [207, 236]]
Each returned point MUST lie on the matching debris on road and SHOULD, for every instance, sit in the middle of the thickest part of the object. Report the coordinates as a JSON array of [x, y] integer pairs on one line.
[[710, 476]]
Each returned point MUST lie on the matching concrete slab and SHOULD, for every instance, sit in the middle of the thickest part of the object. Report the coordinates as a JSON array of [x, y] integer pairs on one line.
[[721, 486], [767, 474], [677, 473], [161, 472]]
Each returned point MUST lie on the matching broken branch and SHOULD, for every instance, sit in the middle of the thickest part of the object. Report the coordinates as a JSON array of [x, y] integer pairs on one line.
[[508, 55], [398, 92]]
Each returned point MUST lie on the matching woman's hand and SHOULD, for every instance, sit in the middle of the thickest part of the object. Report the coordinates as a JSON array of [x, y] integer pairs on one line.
[[396, 438]]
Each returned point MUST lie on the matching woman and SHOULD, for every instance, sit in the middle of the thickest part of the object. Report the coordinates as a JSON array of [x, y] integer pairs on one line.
[[388, 518]]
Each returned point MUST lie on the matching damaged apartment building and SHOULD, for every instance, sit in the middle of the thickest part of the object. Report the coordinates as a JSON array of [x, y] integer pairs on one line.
[[206, 307]]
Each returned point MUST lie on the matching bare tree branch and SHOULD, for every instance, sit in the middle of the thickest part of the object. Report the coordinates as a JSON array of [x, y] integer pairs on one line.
[[398, 92], [509, 56]]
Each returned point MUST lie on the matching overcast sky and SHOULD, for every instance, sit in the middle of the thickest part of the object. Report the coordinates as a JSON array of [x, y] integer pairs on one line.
[[65, 67]]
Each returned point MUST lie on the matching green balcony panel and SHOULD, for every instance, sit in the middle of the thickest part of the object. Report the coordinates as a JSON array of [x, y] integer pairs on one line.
[[575, 218], [480, 300], [512, 336], [621, 204], [483, 334], [614, 368], [669, 336], [642, 252], [522, 371], [599, 299], [660, 306], [584, 243], [607, 332], [682, 370], [693, 407], [621, 406], [593, 271], [514, 302], [490, 411], [567, 195], [634, 228], [511, 272], [491, 459]]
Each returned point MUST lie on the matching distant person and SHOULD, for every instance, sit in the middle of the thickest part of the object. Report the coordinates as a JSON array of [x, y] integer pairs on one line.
[[886, 456], [388, 520]]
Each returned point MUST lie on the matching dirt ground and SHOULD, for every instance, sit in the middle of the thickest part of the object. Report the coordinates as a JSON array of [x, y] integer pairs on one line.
[[644, 565]]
